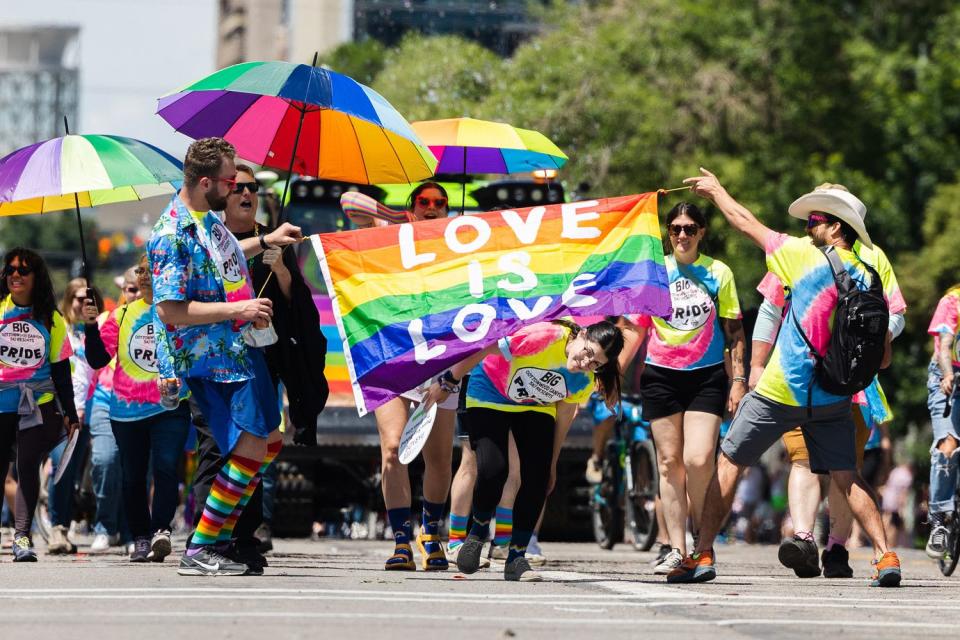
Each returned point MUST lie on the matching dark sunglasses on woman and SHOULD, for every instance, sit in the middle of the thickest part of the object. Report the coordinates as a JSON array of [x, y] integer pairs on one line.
[[439, 203], [689, 229], [253, 186], [23, 270]]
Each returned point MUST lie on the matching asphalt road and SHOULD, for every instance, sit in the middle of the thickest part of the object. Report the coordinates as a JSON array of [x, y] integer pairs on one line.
[[339, 590]]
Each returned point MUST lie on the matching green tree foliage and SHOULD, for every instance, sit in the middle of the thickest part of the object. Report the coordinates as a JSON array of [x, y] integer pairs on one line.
[[362, 60], [775, 97]]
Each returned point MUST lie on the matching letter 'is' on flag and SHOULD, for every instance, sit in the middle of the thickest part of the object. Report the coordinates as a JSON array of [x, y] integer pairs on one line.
[[411, 300]]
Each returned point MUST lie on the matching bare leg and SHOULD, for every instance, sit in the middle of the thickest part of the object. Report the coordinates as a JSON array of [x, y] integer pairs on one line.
[[700, 431], [803, 496], [719, 499], [461, 491], [391, 417], [438, 457], [863, 507], [668, 436]]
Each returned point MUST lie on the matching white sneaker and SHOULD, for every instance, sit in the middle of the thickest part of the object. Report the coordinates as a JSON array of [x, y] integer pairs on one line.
[[594, 473], [453, 552], [671, 562], [101, 543], [498, 554], [534, 554]]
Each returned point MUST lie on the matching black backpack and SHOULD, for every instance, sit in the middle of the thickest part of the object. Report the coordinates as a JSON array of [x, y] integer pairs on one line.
[[858, 337]]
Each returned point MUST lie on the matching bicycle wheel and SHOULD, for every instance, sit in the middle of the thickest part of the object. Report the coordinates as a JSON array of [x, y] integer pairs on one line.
[[640, 504], [41, 516], [607, 516], [949, 560]]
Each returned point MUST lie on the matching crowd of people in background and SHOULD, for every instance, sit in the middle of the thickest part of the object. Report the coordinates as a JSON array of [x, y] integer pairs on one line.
[[217, 324]]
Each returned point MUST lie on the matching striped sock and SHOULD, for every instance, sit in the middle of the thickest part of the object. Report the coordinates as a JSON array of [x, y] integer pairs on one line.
[[504, 526], [480, 524], [226, 533], [227, 490], [458, 530], [518, 545], [430, 523]]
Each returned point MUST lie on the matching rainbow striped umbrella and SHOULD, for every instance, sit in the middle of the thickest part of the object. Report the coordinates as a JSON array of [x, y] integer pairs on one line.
[[302, 118], [83, 171], [466, 145]]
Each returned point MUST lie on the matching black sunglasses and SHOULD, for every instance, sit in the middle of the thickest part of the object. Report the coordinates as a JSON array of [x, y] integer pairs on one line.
[[689, 229], [253, 186], [23, 270]]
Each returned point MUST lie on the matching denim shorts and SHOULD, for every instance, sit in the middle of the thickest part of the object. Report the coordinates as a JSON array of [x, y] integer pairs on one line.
[[936, 403]]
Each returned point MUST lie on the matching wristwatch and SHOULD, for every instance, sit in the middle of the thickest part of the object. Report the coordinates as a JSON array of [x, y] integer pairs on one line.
[[263, 241], [448, 383]]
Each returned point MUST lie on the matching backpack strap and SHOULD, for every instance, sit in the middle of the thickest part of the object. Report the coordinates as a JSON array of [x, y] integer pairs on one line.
[[840, 276]]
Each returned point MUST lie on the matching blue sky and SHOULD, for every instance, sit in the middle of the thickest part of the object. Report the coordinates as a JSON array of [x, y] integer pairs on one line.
[[131, 53]]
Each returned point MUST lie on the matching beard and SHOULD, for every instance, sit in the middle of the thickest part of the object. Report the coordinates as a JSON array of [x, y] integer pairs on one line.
[[215, 201]]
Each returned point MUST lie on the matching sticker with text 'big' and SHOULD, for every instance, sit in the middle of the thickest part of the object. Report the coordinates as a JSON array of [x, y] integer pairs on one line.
[[22, 345], [691, 305], [143, 348], [531, 384], [229, 263]]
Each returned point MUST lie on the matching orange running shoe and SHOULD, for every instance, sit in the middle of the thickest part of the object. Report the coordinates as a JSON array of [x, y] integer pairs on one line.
[[694, 568], [887, 571]]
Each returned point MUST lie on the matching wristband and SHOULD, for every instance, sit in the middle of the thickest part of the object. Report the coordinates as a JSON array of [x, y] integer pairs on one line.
[[263, 241], [739, 379], [448, 383]]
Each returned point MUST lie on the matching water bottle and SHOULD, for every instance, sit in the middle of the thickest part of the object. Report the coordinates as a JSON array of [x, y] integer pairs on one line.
[[170, 393]]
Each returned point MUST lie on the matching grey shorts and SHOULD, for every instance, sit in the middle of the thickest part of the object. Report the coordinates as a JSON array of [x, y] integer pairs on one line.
[[936, 402], [830, 433]]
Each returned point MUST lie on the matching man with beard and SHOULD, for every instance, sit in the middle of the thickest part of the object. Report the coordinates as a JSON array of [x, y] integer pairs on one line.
[[203, 293]]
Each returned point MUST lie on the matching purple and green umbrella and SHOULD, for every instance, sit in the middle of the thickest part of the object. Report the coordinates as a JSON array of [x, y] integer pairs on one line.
[[301, 118], [76, 171]]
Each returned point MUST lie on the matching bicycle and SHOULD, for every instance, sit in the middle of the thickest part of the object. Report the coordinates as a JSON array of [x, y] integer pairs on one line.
[[623, 503], [948, 562]]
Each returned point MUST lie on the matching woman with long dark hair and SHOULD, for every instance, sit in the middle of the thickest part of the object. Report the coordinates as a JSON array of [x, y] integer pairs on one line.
[[528, 384], [684, 386], [36, 391], [427, 202]]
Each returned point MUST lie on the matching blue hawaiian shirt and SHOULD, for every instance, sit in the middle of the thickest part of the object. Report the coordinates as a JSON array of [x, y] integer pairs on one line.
[[199, 259]]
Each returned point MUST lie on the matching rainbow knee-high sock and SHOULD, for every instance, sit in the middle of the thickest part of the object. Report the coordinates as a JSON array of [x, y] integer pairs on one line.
[[504, 527], [227, 491], [226, 533], [458, 530]]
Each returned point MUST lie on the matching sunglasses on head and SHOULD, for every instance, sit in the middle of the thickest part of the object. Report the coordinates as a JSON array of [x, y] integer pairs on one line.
[[816, 219], [22, 269], [689, 229], [439, 203], [240, 186]]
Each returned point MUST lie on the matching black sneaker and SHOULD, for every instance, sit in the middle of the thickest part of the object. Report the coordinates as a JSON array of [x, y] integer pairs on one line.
[[801, 556], [251, 557], [468, 559], [939, 534], [836, 562], [519, 570], [209, 562], [265, 538], [23, 550], [141, 550]]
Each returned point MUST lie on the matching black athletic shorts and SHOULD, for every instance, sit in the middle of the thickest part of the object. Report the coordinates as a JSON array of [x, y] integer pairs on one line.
[[461, 431], [669, 391]]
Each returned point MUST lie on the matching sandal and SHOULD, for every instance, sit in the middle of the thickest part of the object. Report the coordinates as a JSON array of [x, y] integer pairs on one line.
[[401, 560], [435, 561]]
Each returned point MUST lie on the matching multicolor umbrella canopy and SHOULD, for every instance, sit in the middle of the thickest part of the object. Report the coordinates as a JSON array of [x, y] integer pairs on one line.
[[342, 129], [85, 171], [466, 145]]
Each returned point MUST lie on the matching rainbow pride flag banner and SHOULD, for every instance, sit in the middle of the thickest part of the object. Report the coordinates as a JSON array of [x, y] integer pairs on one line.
[[411, 300]]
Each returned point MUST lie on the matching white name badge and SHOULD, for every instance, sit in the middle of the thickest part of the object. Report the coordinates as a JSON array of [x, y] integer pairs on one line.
[[228, 262], [691, 305], [142, 348], [538, 385], [22, 345]]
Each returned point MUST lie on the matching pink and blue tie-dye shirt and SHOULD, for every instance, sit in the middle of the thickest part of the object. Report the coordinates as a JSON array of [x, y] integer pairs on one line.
[[946, 319], [129, 334], [692, 338], [805, 271], [27, 349], [529, 374], [193, 256]]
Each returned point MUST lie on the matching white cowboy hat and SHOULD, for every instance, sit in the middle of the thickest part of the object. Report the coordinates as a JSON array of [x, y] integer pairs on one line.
[[837, 202]]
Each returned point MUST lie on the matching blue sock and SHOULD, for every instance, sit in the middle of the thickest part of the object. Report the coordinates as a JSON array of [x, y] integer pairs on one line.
[[430, 523], [400, 523], [518, 545], [480, 524]]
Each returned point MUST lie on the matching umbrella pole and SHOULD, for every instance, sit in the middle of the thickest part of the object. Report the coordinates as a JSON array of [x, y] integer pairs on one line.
[[84, 270]]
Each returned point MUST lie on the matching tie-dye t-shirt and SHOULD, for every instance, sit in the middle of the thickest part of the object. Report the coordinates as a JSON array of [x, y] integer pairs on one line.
[[692, 338], [946, 319], [803, 269], [529, 374], [193, 256], [773, 291], [129, 334], [27, 349]]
